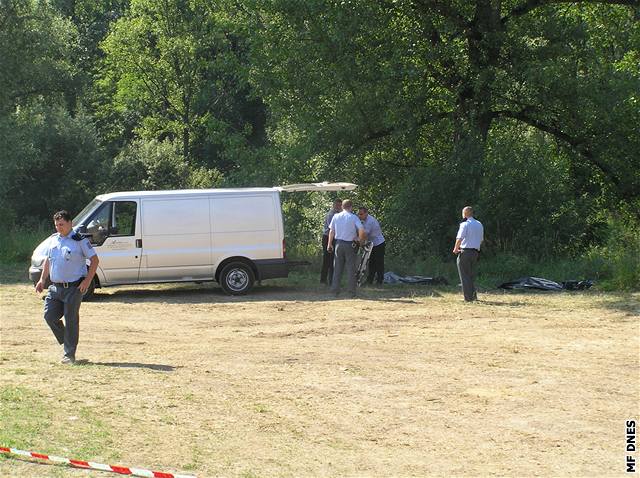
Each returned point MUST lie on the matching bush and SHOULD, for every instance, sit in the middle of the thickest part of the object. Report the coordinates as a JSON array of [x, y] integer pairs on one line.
[[17, 245], [152, 165], [51, 161], [619, 258]]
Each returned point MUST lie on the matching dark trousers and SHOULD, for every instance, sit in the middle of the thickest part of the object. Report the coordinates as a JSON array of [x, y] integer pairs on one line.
[[65, 302], [376, 264], [467, 268], [327, 262]]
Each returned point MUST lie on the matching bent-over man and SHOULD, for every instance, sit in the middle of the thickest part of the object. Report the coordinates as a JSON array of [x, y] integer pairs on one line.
[[374, 234]]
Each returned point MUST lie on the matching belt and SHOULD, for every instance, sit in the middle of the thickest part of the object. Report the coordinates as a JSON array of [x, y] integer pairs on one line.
[[66, 285], [470, 249], [342, 240]]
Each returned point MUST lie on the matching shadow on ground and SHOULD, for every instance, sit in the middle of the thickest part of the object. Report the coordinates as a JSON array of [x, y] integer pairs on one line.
[[151, 366], [626, 303], [208, 294]]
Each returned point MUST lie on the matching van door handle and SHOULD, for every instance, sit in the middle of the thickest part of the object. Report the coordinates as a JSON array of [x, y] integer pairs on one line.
[[139, 243]]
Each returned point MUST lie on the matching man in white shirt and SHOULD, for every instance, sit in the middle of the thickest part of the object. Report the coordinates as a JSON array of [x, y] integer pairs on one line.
[[344, 229], [467, 247], [374, 234]]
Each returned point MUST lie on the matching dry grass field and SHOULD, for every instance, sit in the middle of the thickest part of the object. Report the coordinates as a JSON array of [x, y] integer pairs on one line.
[[287, 382]]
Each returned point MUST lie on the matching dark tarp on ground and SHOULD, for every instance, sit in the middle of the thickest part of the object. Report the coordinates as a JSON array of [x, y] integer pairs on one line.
[[545, 284], [393, 278]]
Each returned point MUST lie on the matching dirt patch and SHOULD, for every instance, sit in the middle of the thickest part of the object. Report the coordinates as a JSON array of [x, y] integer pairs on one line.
[[287, 382]]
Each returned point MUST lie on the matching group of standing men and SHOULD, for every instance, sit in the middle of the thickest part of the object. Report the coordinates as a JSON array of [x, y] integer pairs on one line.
[[342, 230], [65, 265]]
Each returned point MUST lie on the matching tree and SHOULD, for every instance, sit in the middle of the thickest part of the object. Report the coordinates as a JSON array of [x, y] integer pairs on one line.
[[174, 70], [54, 161], [47, 158], [37, 48], [357, 77]]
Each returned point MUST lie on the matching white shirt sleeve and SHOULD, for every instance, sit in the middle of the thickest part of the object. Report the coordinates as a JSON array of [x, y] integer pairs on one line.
[[87, 248], [462, 230]]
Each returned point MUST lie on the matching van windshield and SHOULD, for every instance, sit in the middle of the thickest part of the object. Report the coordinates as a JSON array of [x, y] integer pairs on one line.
[[82, 215]]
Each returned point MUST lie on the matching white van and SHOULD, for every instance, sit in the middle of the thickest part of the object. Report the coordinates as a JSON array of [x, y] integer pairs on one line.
[[233, 236]]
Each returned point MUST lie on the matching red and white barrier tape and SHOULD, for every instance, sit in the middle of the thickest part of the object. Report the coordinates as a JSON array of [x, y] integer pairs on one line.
[[123, 470]]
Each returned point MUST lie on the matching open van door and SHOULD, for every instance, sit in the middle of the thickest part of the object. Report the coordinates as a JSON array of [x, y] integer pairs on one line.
[[316, 187]]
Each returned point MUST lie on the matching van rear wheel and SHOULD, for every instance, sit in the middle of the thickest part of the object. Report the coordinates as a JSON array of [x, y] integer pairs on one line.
[[237, 278]]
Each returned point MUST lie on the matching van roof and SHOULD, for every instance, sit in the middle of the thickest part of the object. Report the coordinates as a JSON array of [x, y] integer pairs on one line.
[[182, 192]]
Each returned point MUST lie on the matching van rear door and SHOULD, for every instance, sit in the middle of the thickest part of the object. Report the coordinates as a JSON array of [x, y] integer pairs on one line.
[[316, 187]]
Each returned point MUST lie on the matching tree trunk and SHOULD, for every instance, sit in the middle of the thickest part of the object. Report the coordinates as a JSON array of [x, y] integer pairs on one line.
[[472, 122], [185, 142]]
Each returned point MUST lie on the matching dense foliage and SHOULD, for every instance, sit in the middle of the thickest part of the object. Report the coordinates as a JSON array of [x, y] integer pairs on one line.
[[528, 109]]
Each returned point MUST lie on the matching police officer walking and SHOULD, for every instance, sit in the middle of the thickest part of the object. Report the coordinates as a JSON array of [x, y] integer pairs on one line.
[[468, 240], [66, 266], [345, 228]]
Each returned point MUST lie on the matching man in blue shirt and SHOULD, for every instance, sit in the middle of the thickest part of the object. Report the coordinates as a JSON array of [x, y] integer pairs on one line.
[[66, 266], [374, 234], [345, 228], [467, 247]]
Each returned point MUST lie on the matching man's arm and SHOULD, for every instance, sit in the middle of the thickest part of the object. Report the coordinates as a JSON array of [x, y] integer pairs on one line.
[[93, 266], [44, 276], [332, 235], [461, 234], [456, 247]]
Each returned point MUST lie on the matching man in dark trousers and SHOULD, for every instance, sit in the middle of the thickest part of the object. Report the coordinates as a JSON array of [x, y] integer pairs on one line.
[[467, 247], [374, 234], [327, 257], [67, 267]]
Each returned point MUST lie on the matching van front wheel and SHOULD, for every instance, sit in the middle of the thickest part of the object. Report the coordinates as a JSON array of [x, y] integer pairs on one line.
[[237, 278]]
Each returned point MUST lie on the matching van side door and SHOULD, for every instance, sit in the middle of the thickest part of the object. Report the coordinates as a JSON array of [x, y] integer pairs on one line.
[[176, 233], [114, 231]]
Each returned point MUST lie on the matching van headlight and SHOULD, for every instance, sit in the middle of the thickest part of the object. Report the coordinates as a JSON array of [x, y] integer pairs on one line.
[[40, 253]]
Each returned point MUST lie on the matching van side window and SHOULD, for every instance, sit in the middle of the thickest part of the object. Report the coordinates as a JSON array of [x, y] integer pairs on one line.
[[98, 227], [114, 218], [124, 218]]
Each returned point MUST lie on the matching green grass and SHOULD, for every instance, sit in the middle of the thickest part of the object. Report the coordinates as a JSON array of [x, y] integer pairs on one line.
[[612, 268], [17, 245], [25, 417], [609, 273], [34, 422], [14, 272]]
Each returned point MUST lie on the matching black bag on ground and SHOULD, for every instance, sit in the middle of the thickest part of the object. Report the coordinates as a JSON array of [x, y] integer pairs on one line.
[[539, 283]]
